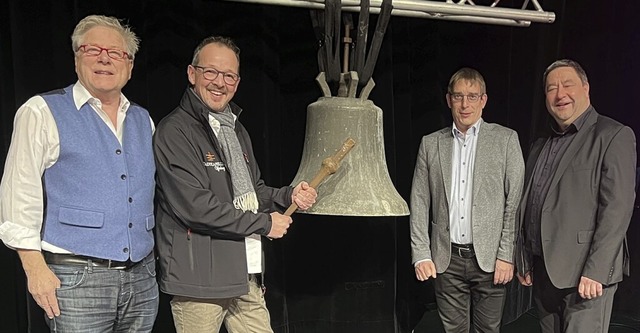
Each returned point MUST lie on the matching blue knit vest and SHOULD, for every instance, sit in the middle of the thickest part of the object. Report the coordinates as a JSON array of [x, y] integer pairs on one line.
[[99, 194]]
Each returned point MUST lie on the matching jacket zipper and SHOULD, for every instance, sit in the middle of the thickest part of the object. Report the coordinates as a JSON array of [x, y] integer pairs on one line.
[[190, 247]]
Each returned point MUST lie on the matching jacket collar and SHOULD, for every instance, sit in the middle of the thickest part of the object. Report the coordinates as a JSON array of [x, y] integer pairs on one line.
[[195, 106]]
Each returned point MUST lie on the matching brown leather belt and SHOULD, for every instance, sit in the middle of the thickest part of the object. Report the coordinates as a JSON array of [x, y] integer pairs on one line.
[[72, 259], [463, 250]]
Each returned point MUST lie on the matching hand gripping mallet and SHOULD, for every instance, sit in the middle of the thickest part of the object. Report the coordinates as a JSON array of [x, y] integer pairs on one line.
[[329, 166]]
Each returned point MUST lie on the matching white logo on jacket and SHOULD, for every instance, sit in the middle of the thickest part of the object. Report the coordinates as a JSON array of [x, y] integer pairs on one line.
[[219, 166]]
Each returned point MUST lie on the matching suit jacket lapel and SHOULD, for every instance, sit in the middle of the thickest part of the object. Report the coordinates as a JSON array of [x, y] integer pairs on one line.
[[573, 148], [445, 142], [482, 157], [532, 159]]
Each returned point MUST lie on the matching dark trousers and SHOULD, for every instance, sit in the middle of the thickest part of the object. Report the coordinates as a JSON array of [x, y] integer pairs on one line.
[[563, 310], [465, 289]]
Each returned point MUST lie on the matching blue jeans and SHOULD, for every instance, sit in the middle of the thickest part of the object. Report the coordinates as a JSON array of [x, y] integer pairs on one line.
[[106, 300]]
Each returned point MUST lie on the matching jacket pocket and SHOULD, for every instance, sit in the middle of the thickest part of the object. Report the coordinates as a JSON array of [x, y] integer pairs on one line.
[[190, 250], [585, 236], [81, 217], [150, 222]]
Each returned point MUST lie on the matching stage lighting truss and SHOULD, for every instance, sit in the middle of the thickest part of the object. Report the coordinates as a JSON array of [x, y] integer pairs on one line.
[[461, 10]]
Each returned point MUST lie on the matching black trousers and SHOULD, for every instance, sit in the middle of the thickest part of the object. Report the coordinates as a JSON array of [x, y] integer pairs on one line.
[[563, 310], [466, 295]]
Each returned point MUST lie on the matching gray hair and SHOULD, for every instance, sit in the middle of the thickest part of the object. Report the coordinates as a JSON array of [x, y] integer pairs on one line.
[[131, 41], [224, 41], [468, 74], [565, 63]]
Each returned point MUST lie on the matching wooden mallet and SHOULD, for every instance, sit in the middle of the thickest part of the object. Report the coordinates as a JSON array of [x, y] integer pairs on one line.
[[329, 166]]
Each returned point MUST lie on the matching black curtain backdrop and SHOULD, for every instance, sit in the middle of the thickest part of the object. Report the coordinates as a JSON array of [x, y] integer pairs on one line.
[[330, 274]]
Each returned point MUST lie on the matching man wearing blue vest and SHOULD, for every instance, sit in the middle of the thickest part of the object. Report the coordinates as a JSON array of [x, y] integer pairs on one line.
[[76, 199]]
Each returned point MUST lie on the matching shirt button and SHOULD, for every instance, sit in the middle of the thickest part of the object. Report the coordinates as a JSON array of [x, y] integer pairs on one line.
[[123, 177], [130, 199], [125, 250], [118, 151], [462, 217], [130, 225]]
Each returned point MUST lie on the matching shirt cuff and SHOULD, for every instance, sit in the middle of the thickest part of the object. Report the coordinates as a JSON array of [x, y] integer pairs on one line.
[[419, 261], [16, 236]]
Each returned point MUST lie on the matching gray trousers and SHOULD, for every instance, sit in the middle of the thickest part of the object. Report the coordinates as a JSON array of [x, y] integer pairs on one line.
[[564, 311]]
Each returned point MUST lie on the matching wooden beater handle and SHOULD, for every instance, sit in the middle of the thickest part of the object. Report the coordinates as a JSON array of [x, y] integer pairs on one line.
[[329, 166]]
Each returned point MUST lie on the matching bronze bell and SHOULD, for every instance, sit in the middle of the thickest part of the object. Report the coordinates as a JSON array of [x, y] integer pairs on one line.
[[361, 186]]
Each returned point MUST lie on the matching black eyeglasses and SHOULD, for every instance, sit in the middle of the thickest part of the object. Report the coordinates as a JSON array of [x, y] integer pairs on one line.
[[94, 51], [472, 98], [211, 74]]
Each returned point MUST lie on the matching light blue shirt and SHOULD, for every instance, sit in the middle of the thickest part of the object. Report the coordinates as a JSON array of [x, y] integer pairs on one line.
[[460, 204]]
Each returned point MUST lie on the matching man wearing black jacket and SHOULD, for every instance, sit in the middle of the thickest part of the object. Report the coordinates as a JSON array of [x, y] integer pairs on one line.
[[213, 205], [576, 208]]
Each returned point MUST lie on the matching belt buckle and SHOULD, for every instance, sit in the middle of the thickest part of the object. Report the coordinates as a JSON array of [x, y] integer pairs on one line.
[[112, 264], [463, 250]]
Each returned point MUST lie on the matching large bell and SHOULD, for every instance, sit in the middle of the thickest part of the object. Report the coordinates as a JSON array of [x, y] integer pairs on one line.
[[361, 186]]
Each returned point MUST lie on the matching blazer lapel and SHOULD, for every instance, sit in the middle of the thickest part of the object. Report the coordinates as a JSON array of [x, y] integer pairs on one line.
[[445, 142], [482, 157], [534, 154]]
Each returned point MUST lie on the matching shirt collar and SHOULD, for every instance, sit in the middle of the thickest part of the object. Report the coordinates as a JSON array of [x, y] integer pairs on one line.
[[81, 96], [575, 126], [474, 129]]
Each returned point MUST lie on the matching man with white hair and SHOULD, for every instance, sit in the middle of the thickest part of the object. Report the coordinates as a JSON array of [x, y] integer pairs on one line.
[[77, 192]]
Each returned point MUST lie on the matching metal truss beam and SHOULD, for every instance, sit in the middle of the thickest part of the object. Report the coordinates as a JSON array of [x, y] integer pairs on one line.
[[460, 10]]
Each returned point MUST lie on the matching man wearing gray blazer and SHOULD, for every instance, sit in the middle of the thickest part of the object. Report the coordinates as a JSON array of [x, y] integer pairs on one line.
[[466, 188], [576, 208]]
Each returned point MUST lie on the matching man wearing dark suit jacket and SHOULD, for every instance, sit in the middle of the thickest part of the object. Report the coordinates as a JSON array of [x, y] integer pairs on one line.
[[579, 194], [466, 186]]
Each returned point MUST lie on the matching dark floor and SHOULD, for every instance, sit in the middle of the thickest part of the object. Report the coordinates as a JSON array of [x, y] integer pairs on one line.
[[528, 323]]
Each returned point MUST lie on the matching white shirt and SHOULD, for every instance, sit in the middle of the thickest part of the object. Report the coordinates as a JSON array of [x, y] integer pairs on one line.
[[35, 147], [460, 201], [252, 243]]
